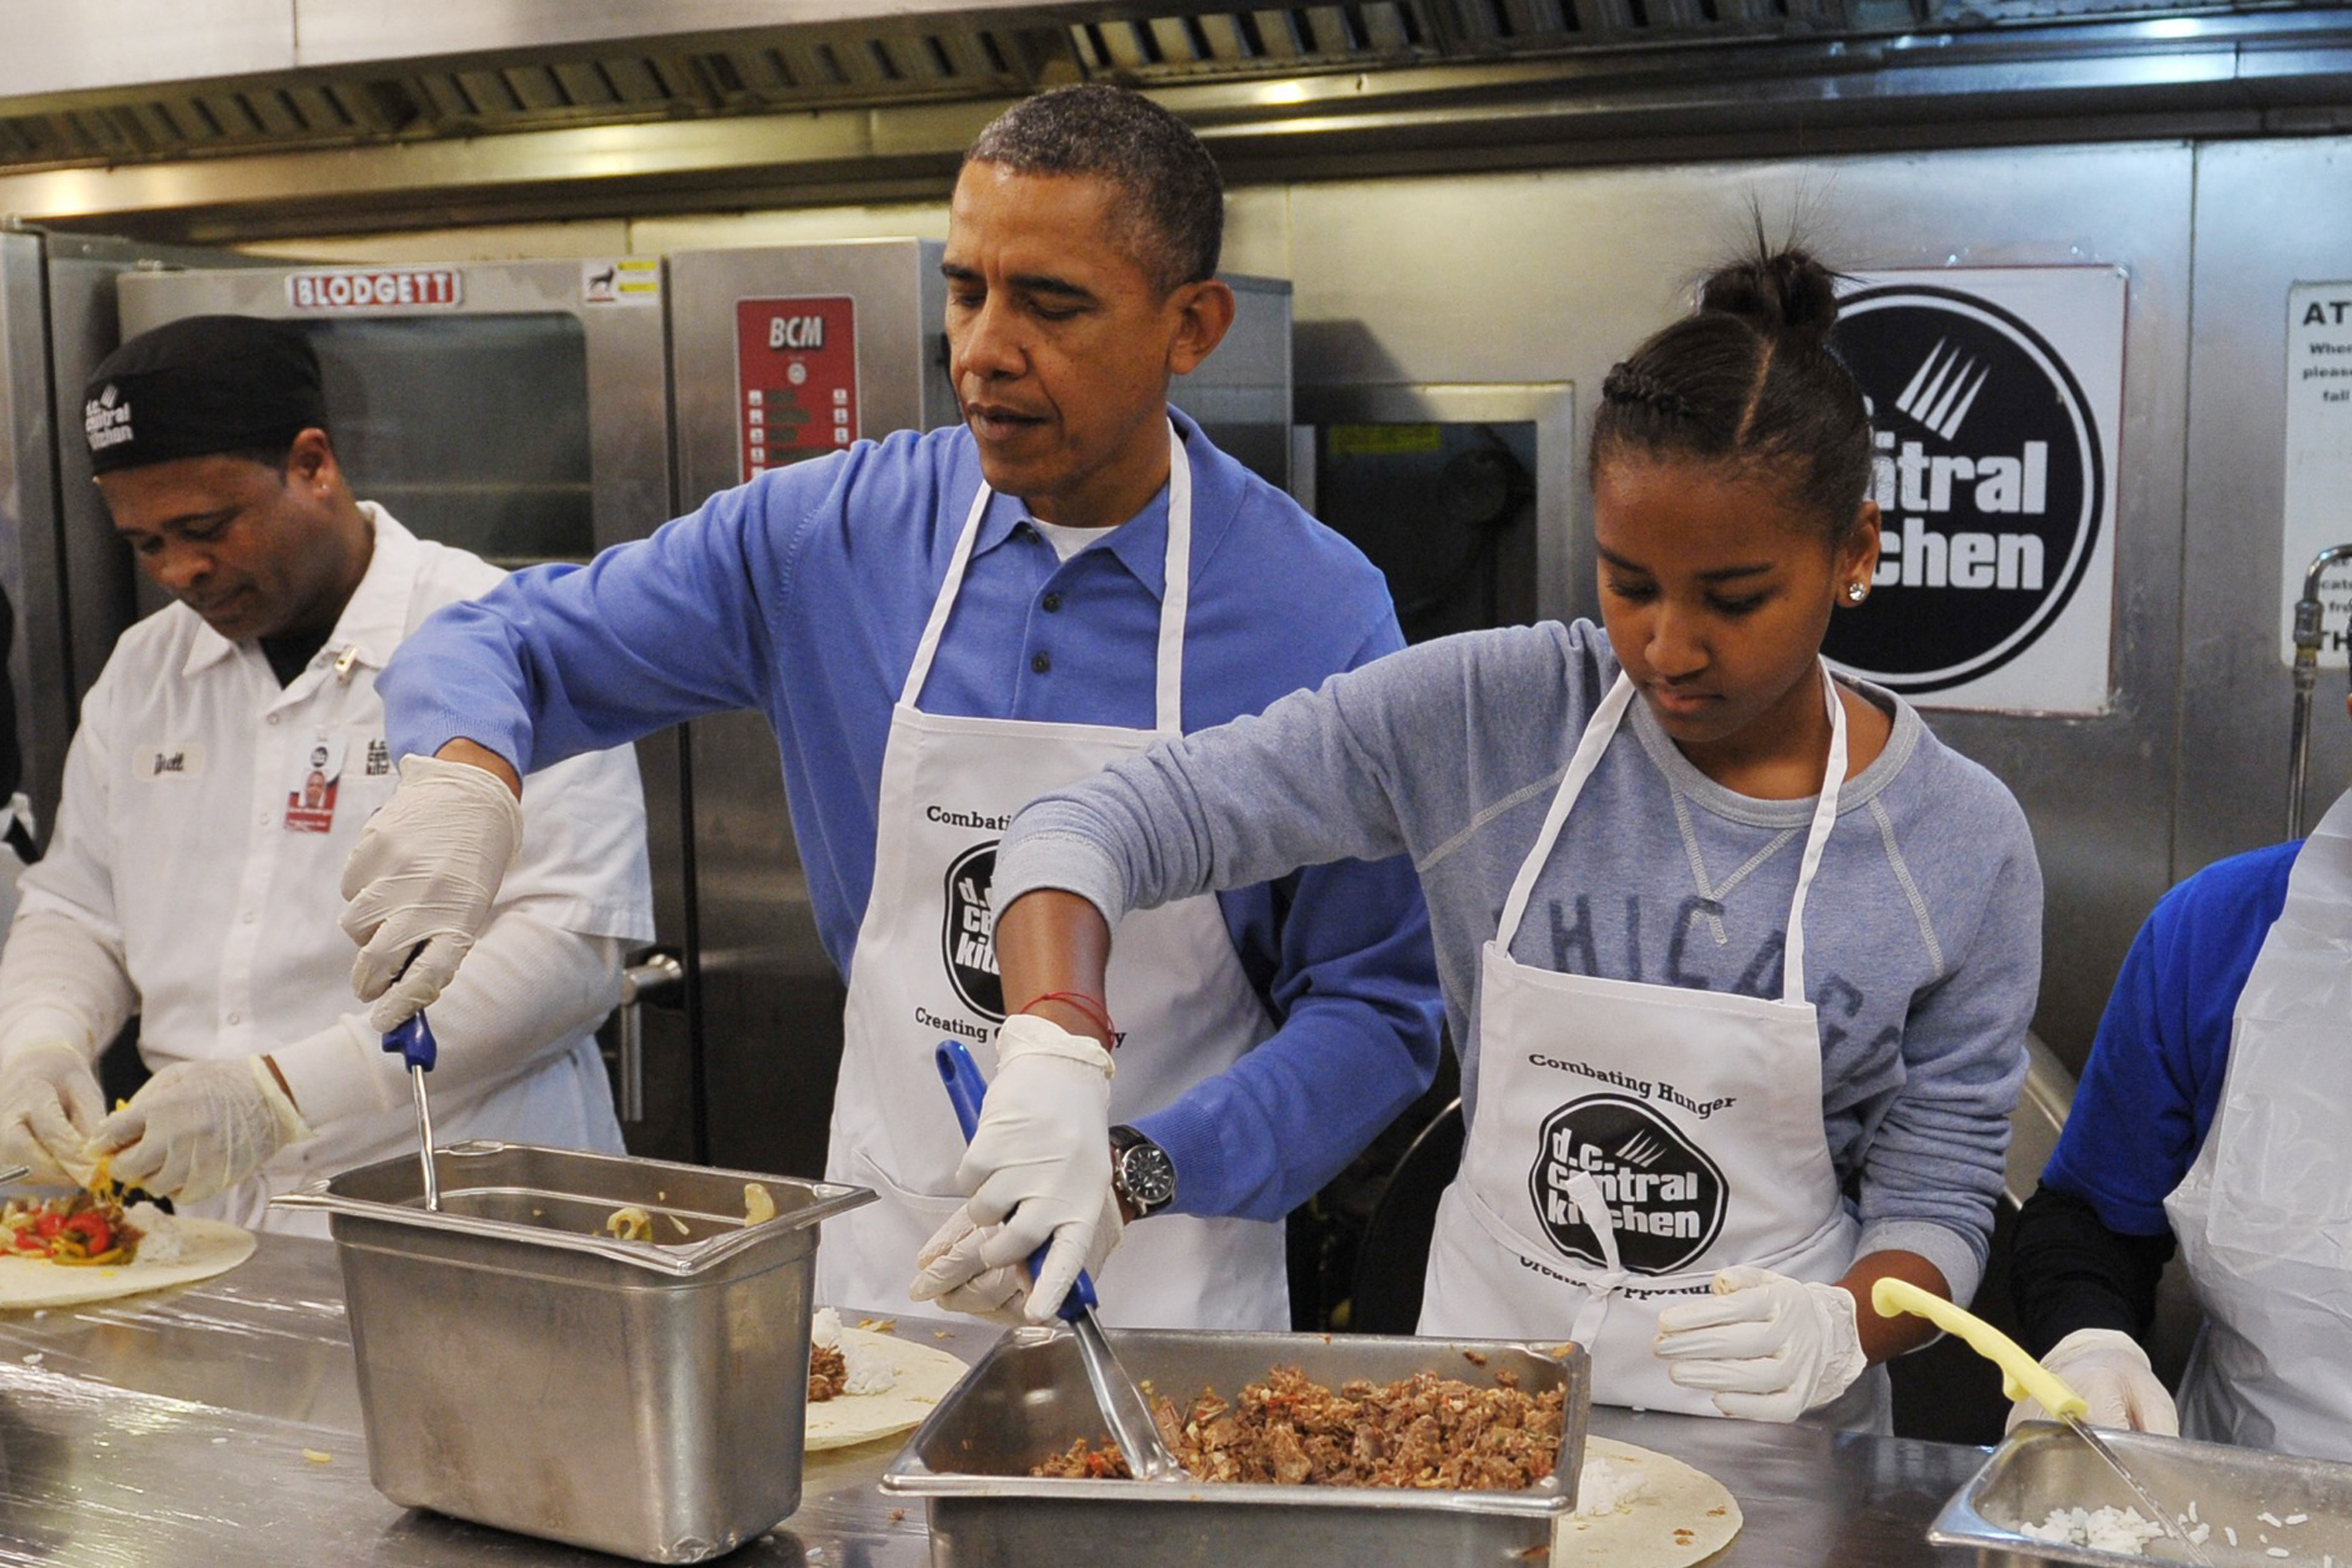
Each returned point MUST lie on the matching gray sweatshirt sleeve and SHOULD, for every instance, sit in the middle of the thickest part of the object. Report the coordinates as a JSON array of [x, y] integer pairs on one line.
[[1303, 784], [1935, 1166]]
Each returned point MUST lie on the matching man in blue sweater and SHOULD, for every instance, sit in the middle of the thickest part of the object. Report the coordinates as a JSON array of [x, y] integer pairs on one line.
[[940, 627], [2210, 1117]]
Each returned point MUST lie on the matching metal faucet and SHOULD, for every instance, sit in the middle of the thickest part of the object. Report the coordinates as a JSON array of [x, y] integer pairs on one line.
[[2308, 614]]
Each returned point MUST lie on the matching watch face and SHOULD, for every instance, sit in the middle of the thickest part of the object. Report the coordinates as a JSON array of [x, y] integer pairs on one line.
[[1148, 1175]]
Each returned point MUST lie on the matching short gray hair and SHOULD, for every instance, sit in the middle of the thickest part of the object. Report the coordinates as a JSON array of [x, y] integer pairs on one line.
[[1177, 201]]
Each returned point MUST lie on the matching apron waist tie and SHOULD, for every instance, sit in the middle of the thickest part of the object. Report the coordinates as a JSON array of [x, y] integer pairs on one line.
[[1600, 1286]]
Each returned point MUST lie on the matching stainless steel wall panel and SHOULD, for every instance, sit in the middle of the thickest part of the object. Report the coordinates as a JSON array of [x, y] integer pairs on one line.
[[1551, 277], [770, 998], [2268, 214], [28, 516]]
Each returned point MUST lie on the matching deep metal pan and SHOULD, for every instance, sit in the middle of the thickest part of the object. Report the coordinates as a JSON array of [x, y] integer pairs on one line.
[[1028, 1399], [2043, 1467]]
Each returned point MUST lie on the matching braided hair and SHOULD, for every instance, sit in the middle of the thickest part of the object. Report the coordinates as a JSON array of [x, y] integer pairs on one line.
[[1749, 379]]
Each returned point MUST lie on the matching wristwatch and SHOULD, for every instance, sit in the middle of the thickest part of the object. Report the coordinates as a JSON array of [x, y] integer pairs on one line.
[[1140, 1172]]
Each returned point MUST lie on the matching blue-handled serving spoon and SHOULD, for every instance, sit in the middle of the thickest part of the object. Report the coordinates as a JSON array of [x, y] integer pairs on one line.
[[1123, 1407]]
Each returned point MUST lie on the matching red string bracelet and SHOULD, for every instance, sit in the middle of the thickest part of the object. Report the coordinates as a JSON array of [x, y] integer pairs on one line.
[[1080, 1001]]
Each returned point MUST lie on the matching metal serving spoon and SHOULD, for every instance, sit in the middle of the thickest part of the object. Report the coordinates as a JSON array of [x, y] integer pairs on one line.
[[1123, 1407]]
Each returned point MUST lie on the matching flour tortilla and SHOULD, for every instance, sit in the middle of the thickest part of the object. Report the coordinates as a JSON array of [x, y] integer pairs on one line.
[[925, 1374], [211, 1247], [1680, 1516]]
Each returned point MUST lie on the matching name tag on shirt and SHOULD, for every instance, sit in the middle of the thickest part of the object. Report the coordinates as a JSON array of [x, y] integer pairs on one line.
[[167, 760], [311, 801]]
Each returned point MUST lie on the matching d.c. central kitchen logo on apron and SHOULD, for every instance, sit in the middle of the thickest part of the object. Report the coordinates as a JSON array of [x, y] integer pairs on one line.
[[968, 933], [1665, 1197], [1989, 480]]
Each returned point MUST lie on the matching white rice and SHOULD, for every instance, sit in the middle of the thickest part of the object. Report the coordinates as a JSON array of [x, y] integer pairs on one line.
[[865, 1368], [2112, 1530], [2101, 1530], [1604, 1486], [160, 1240]]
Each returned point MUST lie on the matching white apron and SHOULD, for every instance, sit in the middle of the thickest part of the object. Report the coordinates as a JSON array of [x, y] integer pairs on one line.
[[2264, 1215], [1629, 1140], [926, 967]]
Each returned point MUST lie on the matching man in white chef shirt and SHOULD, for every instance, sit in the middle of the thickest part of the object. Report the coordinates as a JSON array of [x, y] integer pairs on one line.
[[227, 759]]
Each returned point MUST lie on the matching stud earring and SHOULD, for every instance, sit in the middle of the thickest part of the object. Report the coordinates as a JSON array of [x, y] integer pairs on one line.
[[1856, 592]]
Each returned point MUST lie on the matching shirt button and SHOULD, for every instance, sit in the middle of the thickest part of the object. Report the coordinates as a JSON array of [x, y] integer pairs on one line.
[[273, 717], [249, 917], [1052, 602], [237, 1018], [263, 820], [1040, 663]]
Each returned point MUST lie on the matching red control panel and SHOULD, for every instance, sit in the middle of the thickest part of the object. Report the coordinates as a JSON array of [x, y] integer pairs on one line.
[[795, 379]]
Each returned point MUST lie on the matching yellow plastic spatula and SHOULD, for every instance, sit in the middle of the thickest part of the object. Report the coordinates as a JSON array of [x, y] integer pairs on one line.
[[2022, 1376]]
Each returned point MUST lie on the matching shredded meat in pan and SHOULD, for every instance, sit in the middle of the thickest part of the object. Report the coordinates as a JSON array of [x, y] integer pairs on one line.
[[827, 1372], [1425, 1431]]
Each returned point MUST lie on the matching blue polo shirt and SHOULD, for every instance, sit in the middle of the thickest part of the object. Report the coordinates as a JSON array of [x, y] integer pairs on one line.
[[804, 593], [2149, 1090]]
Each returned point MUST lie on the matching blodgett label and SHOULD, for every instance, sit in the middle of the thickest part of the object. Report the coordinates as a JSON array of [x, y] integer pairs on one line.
[[374, 288], [1988, 482]]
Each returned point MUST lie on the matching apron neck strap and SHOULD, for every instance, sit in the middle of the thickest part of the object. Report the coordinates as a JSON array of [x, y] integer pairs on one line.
[[1825, 807], [1175, 598], [1598, 732]]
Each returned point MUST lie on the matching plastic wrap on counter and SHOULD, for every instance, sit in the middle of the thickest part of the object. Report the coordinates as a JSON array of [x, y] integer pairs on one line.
[[269, 1336]]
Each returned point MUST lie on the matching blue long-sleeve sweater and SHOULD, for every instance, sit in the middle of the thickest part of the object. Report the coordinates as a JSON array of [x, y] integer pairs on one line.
[[1922, 928], [803, 594]]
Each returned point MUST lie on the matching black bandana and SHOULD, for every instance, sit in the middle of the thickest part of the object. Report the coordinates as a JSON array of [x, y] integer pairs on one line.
[[205, 384]]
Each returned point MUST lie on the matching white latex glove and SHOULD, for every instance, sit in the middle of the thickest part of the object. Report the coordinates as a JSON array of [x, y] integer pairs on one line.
[[1767, 1347], [421, 879], [1040, 1160], [49, 1105], [953, 1276], [199, 1128], [2112, 1374]]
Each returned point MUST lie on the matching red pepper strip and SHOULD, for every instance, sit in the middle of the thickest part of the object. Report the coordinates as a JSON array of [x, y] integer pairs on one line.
[[48, 1224], [97, 1235]]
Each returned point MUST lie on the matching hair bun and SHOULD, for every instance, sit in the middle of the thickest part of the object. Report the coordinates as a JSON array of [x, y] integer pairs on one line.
[[1783, 294]]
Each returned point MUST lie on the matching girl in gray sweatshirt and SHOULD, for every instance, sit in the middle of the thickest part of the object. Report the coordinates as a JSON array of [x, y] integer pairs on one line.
[[1684, 1149]]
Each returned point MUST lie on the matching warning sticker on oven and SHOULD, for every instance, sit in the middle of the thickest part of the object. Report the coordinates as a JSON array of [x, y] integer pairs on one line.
[[795, 379], [621, 280]]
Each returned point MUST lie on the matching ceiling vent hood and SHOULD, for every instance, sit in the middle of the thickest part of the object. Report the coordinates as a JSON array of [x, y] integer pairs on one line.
[[195, 120]]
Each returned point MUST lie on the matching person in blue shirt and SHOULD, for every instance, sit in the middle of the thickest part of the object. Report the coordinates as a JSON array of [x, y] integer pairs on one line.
[[2210, 1118], [941, 627]]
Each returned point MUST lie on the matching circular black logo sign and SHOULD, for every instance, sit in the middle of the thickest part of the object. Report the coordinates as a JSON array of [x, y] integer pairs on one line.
[[968, 937], [1989, 484], [1665, 1196]]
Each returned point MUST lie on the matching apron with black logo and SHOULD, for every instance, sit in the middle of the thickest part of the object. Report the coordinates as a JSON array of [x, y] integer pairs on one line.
[[926, 970], [2263, 1214], [1629, 1140]]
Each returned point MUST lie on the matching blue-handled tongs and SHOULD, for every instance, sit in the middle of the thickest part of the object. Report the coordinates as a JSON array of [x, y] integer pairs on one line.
[[412, 1038], [1123, 1407]]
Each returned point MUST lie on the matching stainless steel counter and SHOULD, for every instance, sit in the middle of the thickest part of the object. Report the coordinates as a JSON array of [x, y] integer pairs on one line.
[[218, 1426]]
